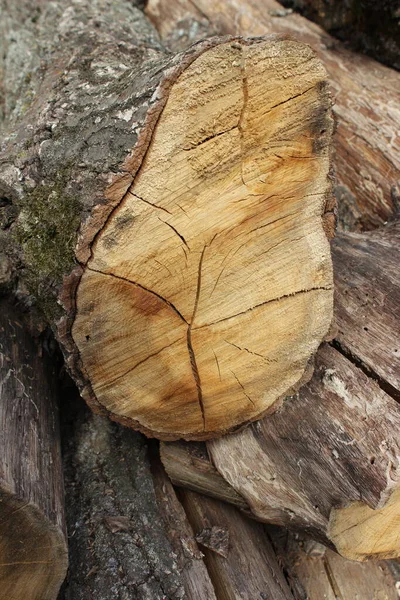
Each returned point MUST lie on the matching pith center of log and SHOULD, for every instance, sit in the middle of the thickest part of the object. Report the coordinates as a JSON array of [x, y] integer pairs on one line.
[[210, 286]]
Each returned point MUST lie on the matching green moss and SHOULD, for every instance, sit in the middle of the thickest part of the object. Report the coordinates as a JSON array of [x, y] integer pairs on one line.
[[47, 227]]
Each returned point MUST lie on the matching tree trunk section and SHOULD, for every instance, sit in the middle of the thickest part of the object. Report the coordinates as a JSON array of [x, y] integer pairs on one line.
[[33, 552], [183, 176], [367, 157]]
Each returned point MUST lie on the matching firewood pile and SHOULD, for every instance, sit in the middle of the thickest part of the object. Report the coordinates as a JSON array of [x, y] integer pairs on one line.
[[200, 238]]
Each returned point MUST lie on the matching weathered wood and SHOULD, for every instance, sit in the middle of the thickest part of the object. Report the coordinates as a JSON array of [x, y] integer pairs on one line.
[[371, 27], [367, 102], [326, 459], [239, 557], [315, 572], [119, 545], [195, 577], [33, 553], [367, 302], [166, 242]]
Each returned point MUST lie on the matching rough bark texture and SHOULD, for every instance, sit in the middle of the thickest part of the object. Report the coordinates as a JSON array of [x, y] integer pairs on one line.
[[119, 547], [367, 96], [91, 149], [33, 553], [327, 461], [238, 554], [368, 26]]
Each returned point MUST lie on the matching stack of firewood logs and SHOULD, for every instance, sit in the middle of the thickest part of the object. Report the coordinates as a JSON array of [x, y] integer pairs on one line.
[[170, 182]]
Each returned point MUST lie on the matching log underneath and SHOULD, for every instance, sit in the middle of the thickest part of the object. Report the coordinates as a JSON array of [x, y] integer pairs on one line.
[[33, 553], [325, 463], [188, 315], [239, 557], [367, 156], [315, 572], [371, 27], [119, 546]]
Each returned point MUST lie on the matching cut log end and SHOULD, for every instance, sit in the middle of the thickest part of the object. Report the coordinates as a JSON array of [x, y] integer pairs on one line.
[[33, 552], [210, 286], [359, 532]]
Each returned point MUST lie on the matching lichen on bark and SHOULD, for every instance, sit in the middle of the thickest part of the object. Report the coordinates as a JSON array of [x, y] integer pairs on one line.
[[48, 222]]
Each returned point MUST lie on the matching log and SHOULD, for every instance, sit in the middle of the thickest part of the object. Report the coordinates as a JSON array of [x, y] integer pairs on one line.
[[240, 559], [367, 157], [33, 552], [119, 544], [196, 579], [367, 303], [315, 572], [312, 570], [327, 461], [181, 179], [369, 27]]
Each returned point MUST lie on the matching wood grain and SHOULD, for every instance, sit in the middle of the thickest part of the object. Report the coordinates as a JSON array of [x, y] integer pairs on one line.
[[191, 301], [367, 95]]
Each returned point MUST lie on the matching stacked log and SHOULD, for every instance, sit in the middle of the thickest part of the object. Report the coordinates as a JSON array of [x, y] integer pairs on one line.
[[327, 461], [189, 281]]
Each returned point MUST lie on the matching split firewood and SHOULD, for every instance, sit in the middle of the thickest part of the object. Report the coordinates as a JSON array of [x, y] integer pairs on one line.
[[206, 179], [314, 572], [240, 559], [195, 576], [367, 303], [33, 550], [367, 101], [327, 461]]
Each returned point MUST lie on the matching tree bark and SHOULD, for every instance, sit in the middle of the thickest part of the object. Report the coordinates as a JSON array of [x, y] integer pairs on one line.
[[169, 232], [367, 158], [327, 461], [119, 544], [33, 552], [368, 26]]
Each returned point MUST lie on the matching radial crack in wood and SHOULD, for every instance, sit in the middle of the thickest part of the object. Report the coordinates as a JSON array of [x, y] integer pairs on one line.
[[209, 288]]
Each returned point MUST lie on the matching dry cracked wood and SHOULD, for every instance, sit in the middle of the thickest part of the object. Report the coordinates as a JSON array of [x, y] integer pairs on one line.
[[239, 557], [367, 142], [199, 263], [327, 461], [189, 314], [316, 573], [33, 552]]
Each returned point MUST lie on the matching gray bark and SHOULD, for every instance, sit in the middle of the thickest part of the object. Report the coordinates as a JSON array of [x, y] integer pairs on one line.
[[118, 544]]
